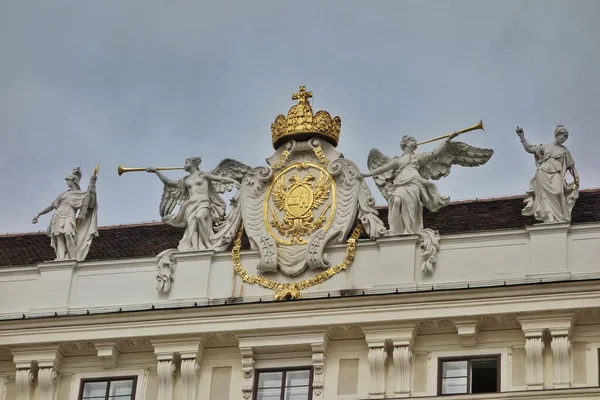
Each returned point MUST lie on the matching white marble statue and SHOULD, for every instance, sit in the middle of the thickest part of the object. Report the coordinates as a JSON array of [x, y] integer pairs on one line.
[[71, 234], [550, 198], [202, 210], [404, 181]]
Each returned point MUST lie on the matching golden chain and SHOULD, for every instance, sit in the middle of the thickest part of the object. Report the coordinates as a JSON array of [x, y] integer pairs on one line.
[[284, 156], [285, 291], [319, 153]]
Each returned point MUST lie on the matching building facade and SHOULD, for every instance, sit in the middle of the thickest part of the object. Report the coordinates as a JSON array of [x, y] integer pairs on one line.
[[510, 311]]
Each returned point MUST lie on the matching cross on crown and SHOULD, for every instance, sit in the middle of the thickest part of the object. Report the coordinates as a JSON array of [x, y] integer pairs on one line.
[[302, 95]]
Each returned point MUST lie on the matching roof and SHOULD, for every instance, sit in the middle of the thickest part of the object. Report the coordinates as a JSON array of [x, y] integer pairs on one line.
[[149, 239]]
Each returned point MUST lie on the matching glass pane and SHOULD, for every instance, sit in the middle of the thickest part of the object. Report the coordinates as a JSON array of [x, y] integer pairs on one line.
[[452, 369], [94, 389], [297, 378], [268, 394], [296, 393], [121, 388], [454, 385], [270, 379], [484, 376]]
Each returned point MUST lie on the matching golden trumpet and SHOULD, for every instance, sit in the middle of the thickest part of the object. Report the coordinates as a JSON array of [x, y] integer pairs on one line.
[[469, 129], [121, 169]]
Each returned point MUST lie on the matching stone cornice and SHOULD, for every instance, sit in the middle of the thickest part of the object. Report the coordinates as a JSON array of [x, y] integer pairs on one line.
[[367, 310]]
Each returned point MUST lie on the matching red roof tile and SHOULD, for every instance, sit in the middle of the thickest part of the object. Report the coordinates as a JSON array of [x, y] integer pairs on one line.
[[149, 239]]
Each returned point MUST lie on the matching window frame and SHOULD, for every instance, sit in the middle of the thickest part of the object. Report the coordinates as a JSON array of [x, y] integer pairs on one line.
[[108, 379], [285, 370], [442, 360]]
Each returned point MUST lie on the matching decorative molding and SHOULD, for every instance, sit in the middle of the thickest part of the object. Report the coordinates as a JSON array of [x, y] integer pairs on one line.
[[498, 321], [318, 360], [48, 378], [377, 359], [403, 358], [3, 387], [436, 326], [77, 348], [247, 371], [134, 345], [166, 371], [535, 366], [561, 354], [109, 354], [220, 340], [23, 380], [468, 332], [345, 332], [190, 368], [166, 265]]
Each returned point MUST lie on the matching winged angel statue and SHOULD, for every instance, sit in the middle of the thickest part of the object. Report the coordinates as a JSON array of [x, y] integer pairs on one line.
[[404, 183], [202, 210]]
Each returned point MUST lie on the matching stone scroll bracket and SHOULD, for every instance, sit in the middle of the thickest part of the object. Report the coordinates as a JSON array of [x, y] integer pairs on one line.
[[247, 371], [3, 387], [403, 344], [172, 356], [319, 351], [536, 330], [429, 243], [41, 365]]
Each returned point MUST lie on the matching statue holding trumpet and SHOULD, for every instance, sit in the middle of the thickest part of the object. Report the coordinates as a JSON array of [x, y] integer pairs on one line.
[[405, 181], [201, 209]]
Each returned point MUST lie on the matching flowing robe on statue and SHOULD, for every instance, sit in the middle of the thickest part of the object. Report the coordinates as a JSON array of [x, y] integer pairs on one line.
[[549, 199], [408, 194], [198, 231], [63, 221]]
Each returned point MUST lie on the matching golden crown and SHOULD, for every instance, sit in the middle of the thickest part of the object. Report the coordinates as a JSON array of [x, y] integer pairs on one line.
[[301, 123]]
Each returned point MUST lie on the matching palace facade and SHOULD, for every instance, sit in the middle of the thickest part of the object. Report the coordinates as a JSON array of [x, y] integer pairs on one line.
[[511, 310]]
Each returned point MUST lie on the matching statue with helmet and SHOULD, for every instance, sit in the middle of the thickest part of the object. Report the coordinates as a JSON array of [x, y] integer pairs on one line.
[[71, 233]]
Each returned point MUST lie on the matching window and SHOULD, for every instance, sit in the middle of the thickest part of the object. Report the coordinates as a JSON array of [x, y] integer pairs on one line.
[[469, 375], [117, 388], [288, 384]]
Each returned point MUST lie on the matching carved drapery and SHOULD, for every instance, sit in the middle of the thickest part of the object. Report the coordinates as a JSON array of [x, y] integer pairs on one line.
[[377, 359], [248, 375], [318, 360], [403, 358], [190, 368], [535, 366], [165, 371], [561, 346], [24, 379], [47, 379]]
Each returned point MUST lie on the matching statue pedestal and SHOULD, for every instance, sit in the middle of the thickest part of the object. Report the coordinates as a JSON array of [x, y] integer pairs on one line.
[[191, 275], [548, 249]]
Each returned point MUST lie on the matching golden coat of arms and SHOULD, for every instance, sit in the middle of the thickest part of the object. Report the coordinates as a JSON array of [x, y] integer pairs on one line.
[[308, 197]]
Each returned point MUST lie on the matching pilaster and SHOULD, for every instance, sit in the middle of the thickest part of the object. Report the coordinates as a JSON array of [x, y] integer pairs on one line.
[[24, 380], [377, 359], [42, 364], [3, 387], [402, 341], [168, 353], [561, 352], [319, 350], [247, 371]]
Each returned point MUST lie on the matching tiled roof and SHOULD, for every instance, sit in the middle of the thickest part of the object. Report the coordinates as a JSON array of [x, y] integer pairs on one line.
[[149, 239]]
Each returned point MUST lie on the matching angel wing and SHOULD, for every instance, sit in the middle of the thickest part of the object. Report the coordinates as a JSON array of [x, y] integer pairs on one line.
[[279, 193], [173, 194], [456, 153], [322, 190], [375, 160], [232, 169]]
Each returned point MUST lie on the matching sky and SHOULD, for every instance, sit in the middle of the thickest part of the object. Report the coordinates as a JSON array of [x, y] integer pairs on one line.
[[150, 83]]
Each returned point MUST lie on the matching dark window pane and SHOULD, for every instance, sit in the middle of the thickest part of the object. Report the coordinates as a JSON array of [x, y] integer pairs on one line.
[[296, 393], [268, 394], [270, 379], [297, 378], [484, 376], [454, 385], [453, 369], [94, 389]]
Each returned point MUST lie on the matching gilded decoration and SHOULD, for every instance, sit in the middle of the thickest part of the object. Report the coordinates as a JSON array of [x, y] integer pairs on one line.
[[300, 200]]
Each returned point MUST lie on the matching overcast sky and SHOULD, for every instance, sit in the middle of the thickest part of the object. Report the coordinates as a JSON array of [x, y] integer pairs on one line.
[[149, 83]]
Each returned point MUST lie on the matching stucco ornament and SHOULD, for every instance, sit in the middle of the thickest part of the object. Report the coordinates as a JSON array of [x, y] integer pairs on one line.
[[549, 197], [201, 209], [405, 184], [308, 197], [74, 223]]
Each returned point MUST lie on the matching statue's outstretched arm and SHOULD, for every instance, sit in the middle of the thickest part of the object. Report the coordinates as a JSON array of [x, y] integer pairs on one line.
[[161, 176], [530, 148], [44, 211], [223, 179], [382, 169]]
